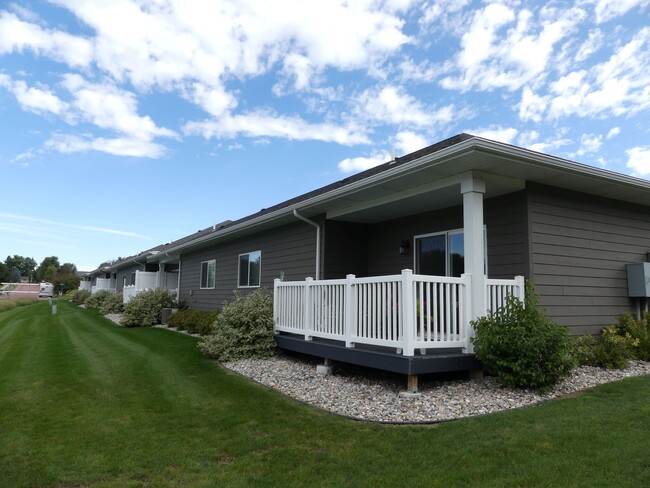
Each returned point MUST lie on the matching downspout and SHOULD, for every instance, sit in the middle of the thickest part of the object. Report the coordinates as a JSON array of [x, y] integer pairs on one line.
[[310, 222]]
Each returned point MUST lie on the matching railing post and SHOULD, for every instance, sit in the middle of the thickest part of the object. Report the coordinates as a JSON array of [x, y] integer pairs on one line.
[[349, 315], [520, 284], [309, 316], [276, 286], [408, 316], [467, 318]]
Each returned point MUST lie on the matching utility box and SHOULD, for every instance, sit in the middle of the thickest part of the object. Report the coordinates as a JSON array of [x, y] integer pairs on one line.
[[638, 280]]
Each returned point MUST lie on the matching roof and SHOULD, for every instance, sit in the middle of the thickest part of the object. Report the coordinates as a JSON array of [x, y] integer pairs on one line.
[[429, 176]]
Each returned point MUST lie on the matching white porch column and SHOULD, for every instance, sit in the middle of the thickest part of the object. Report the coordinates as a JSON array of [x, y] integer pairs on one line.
[[160, 282], [473, 190]]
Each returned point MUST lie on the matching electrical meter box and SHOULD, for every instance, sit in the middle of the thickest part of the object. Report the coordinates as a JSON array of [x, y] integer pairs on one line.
[[638, 280]]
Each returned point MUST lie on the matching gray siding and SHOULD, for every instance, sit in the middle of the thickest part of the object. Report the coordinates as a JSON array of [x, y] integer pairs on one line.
[[345, 250], [290, 249], [505, 221], [121, 273], [580, 245]]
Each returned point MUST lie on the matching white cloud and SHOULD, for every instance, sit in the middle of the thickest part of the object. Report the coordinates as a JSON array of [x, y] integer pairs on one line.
[[532, 106], [617, 86], [491, 59], [592, 44], [109, 107], [55, 224], [613, 132], [362, 163], [589, 143], [269, 124], [407, 142], [606, 10], [119, 146], [496, 133], [34, 99], [17, 35], [639, 160]]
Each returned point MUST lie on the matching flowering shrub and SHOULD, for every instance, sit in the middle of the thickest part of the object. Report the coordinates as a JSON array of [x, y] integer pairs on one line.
[[79, 296], [639, 331], [114, 303], [521, 346], [145, 309], [97, 300], [243, 329]]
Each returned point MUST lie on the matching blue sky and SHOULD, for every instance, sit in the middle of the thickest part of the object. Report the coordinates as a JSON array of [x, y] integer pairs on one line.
[[127, 124]]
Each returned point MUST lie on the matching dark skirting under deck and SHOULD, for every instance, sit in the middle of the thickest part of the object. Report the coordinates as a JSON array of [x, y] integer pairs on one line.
[[434, 361]]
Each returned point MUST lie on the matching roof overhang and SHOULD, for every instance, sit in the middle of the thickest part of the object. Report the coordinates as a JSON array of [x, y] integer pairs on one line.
[[433, 181]]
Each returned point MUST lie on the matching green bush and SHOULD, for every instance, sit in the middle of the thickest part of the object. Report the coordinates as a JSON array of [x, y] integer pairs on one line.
[[145, 309], [97, 300], [243, 329], [113, 304], [639, 331], [523, 347], [193, 321], [610, 350], [79, 296]]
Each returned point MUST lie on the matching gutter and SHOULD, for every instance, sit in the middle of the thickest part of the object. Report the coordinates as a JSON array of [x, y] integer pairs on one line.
[[318, 227]]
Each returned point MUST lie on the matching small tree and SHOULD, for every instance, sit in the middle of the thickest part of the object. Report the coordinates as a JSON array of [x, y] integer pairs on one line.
[[523, 347]]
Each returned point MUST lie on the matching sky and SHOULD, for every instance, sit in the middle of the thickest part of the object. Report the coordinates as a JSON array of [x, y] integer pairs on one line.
[[131, 123]]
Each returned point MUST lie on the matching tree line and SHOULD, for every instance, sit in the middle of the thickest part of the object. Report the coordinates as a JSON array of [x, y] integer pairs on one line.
[[63, 276]]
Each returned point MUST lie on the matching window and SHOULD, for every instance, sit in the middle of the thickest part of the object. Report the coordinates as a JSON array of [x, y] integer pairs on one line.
[[133, 278], [442, 254], [249, 269], [208, 273]]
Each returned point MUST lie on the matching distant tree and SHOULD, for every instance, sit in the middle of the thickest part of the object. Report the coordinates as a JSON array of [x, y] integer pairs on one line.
[[48, 268], [25, 266], [5, 273], [67, 268], [65, 282]]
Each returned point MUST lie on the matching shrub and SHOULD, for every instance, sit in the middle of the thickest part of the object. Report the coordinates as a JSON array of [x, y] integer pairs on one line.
[[193, 321], [97, 300], [243, 329], [113, 304], [79, 296], [145, 309], [609, 350], [639, 331], [521, 346]]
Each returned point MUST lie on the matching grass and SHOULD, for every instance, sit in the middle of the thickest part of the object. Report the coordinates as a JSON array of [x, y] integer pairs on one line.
[[11, 303], [84, 403]]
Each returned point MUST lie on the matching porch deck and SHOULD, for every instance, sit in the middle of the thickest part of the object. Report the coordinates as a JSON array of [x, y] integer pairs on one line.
[[432, 361], [407, 323]]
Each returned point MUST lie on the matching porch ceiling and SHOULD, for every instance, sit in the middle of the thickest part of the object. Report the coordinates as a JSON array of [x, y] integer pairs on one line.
[[438, 185]]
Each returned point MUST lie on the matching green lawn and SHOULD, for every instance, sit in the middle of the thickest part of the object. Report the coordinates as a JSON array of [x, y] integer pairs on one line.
[[85, 403]]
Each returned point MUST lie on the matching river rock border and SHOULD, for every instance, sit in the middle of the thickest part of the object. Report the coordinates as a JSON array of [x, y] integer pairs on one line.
[[374, 396]]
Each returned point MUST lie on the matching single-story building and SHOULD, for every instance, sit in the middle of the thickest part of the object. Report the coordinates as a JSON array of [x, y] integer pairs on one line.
[[387, 268]]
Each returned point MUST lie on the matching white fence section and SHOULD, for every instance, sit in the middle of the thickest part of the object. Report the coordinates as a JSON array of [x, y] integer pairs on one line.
[[496, 292], [102, 284], [404, 311], [85, 285], [144, 280]]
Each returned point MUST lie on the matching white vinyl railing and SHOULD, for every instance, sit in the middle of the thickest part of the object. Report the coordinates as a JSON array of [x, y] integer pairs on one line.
[[496, 292], [404, 311]]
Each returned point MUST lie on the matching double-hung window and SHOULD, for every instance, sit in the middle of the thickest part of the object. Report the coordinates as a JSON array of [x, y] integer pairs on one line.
[[250, 267], [208, 273], [442, 254]]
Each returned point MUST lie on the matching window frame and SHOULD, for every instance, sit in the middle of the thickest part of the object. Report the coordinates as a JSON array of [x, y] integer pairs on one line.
[[239, 270], [448, 234], [207, 263]]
